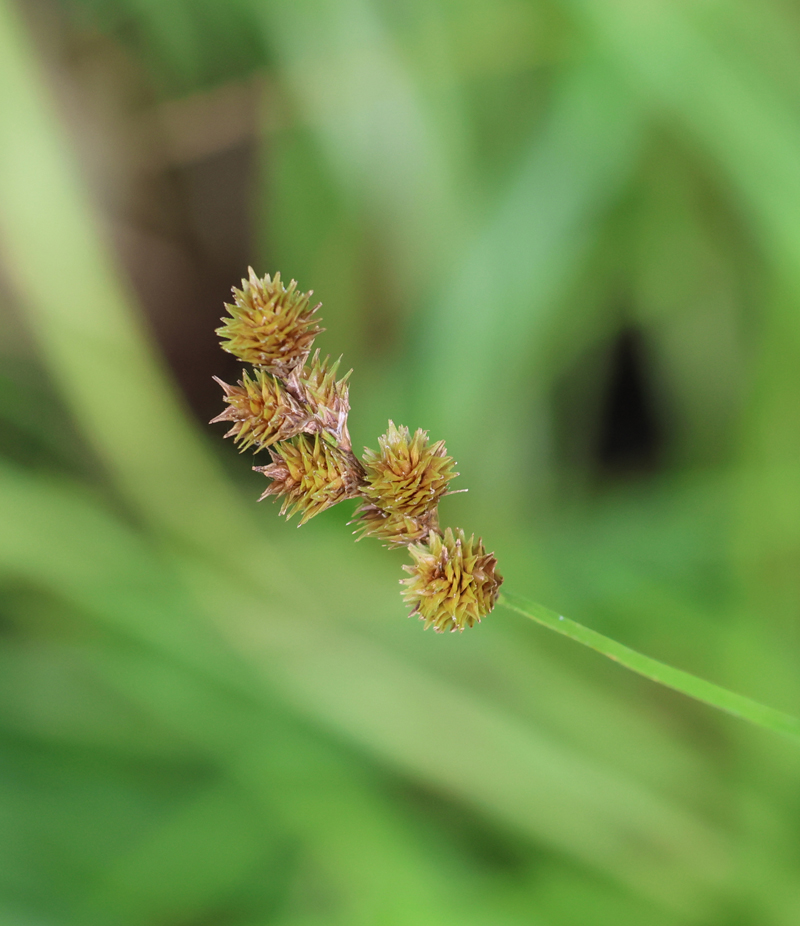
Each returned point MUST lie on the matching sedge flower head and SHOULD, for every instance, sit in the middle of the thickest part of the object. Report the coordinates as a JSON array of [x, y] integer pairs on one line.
[[271, 325], [260, 411], [453, 581], [310, 475], [326, 397], [404, 480]]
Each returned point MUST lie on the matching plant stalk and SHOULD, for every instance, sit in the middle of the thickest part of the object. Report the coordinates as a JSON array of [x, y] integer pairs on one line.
[[656, 671]]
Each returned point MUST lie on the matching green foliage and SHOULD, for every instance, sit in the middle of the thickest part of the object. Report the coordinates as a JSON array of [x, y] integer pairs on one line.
[[670, 677], [206, 720]]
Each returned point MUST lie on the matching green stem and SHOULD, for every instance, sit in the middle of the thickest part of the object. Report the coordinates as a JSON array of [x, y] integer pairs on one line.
[[681, 681]]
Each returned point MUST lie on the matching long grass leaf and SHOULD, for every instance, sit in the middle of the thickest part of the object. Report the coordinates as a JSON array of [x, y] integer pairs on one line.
[[681, 681]]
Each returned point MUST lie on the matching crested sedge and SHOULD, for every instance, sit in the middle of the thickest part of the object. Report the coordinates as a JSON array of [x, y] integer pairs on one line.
[[297, 410]]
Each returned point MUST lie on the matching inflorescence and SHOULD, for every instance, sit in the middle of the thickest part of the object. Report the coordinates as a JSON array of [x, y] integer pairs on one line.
[[296, 409]]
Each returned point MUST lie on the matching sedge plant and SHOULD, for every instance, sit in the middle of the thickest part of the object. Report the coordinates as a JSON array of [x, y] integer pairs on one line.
[[293, 406]]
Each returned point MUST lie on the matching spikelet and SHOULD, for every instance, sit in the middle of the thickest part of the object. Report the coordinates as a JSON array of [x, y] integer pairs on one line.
[[453, 582], [407, 475], [404, 480], [310, 474], [271, 326], [326, 397], [261, 411]]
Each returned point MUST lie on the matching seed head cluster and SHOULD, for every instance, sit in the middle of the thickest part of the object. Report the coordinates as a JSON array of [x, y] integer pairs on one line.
[[297, 409]]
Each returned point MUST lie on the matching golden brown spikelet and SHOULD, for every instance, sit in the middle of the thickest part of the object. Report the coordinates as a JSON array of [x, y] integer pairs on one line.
[[405, 480], [271, 325], [310, 475], [260, 411], [453, 582]]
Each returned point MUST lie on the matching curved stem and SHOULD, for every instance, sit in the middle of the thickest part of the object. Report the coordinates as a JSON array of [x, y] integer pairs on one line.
[[656, 671]]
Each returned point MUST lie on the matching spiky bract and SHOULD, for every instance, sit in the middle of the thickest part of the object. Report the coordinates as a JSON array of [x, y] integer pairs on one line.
[[453, 582], [405, 480], [310, 474], [261, 411], [271, 325]]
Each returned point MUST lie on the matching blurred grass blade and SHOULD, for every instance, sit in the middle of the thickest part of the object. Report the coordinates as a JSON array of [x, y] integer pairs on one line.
[[378, 134], [508, 769], [497, 301], [85, 322], [656, 671], [743, 119]]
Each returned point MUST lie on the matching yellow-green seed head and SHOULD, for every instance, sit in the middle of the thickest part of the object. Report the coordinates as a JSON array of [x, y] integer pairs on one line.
[[407, 476], [453, 583], [271, 325], [261, 411], [310, 475]]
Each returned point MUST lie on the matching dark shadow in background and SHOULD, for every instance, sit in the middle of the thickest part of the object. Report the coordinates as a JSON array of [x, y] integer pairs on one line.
[[631, 434]]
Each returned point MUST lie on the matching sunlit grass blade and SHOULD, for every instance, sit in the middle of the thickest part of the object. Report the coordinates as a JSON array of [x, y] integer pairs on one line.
[[496, 303], [90, 335], [656, 671]]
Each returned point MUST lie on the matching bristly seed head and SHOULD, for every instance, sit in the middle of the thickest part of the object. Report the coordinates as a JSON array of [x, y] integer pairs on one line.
[[261, 411], [453, 582], [271, 326], [404, 482], [310, 475]]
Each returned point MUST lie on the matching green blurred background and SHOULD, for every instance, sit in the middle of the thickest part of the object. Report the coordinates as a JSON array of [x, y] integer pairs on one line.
[[563, 235]]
